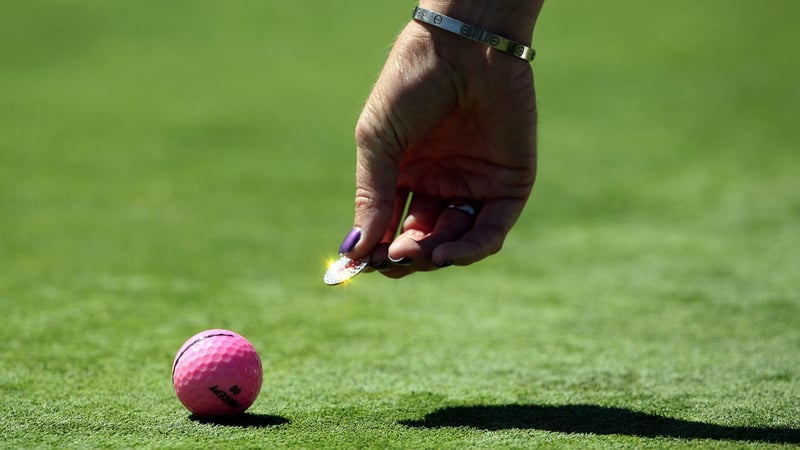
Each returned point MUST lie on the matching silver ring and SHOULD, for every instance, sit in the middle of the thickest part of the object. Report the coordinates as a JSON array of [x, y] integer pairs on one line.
[[463, 207]]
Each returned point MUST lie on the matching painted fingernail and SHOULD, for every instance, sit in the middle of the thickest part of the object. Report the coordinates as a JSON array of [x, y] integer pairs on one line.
[[350, 240], [443, 264], [404, 261]]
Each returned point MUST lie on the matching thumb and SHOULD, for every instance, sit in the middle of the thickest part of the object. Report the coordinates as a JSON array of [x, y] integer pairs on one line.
[[378, 205], [393, 117]]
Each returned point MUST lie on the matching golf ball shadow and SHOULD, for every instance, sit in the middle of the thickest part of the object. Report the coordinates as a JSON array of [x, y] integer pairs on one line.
[[244, 420]]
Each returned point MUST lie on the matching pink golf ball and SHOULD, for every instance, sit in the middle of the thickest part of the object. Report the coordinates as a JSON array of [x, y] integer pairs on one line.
[[217, 373]]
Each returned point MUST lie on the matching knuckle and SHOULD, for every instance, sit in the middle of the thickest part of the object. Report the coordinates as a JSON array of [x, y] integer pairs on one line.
[[369, 203]]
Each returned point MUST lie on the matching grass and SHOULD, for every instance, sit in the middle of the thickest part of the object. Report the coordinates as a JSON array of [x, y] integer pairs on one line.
[[167, 168]]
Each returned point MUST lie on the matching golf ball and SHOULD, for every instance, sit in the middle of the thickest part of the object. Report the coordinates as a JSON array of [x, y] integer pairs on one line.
[[217, 373]]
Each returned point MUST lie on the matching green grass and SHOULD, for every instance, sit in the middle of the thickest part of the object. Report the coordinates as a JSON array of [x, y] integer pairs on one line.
[[167, 167]]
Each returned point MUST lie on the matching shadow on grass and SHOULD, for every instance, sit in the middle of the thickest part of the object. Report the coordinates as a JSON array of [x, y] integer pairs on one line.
[[245, 420], [591, 419]]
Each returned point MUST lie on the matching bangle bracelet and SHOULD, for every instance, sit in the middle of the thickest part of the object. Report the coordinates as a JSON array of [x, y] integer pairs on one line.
[[474, 33]]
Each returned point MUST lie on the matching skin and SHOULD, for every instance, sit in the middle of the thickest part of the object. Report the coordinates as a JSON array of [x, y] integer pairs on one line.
[[447, 119]]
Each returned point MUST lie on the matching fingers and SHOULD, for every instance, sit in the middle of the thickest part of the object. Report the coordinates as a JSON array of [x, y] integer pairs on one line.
[[415, 245], [436, 235], [486, 237], [420, 220]]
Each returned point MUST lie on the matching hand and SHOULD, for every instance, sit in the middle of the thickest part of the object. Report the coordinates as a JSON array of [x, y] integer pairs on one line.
[[449, 120]]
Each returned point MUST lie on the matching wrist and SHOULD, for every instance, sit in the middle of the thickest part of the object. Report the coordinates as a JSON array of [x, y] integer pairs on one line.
[[514, 19]]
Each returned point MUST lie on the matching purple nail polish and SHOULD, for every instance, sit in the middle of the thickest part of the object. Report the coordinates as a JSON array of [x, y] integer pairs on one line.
[[350, 240]]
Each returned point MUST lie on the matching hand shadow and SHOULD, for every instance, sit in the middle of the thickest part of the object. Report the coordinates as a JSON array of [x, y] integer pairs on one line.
[[244, 420], [592, 419]]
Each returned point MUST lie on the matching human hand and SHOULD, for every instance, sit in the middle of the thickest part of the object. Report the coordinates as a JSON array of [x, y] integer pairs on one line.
[[448, 121]]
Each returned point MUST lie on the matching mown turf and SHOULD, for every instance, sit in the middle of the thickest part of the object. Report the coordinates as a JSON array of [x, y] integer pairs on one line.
[[171, 167]]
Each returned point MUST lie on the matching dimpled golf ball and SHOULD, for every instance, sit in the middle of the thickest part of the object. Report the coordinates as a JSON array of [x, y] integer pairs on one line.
[[217, 373]]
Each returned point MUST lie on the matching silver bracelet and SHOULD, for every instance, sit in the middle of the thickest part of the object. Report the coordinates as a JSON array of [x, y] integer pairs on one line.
[[474, 33]]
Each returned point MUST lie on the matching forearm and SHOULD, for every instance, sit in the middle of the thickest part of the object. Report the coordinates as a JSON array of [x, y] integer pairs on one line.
[[513, 19]]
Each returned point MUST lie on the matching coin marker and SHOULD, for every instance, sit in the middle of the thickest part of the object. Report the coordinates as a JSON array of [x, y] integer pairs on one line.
[[344, 269]]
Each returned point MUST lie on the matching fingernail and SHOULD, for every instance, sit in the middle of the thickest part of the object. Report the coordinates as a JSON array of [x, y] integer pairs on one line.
[[404, 261], [443, 264], [350, 240]]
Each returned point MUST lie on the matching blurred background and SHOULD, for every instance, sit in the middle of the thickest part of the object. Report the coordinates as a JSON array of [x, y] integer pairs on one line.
[[229, 127], [167, 167]]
